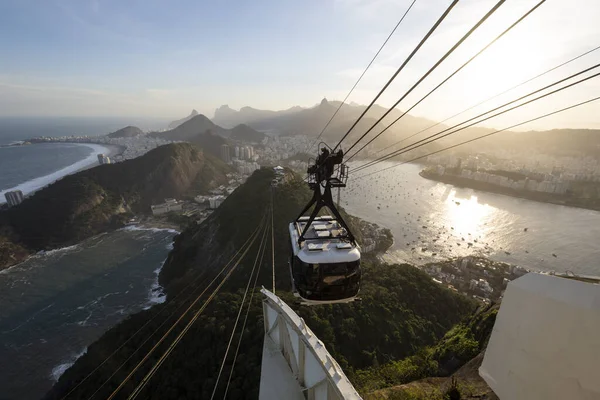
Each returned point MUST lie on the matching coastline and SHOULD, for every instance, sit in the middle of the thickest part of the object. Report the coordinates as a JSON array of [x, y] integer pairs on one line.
[[33, 185], [490, 188]]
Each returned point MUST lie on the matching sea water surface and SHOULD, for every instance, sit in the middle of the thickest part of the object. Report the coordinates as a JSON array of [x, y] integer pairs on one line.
[[31, 167], [434, 221], [56, 304]]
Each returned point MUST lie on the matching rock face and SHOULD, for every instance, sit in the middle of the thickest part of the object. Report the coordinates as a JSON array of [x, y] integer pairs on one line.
[[175, 124], [128, 131], [91, 201]]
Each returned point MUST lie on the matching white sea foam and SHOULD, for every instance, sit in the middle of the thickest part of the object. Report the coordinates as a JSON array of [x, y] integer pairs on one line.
[[57, 251], [38, 183], [145, 228], [156, 295], [61, 368]]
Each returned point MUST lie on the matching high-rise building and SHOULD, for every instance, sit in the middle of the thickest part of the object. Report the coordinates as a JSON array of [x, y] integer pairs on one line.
[[237, 151], [13, 198], [225, 156]]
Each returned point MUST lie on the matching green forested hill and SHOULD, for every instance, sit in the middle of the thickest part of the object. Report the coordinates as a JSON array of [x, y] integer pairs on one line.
[[91, 201], [402, 309]]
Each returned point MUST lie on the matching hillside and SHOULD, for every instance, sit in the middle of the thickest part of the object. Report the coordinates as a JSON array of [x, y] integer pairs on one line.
[[178, 122], [245, 133], [190, 128], [209, 142], [199, 124], [409, 310], [91, 201], [128, 131], [434, 370]]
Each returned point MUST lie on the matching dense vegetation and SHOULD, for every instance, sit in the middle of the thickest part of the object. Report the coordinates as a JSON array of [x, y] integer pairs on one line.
[[91, 201], [402, 309], [459, 345]]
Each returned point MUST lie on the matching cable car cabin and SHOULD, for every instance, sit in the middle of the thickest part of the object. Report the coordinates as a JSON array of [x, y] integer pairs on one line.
[[325, 267]]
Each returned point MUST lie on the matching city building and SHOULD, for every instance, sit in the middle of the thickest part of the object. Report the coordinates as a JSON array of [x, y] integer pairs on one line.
[[166, 207], [13, 198], [216, 201], [225, 155]]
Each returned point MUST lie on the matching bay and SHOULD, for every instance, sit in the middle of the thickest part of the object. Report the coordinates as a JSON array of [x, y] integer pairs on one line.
[[434, 221]]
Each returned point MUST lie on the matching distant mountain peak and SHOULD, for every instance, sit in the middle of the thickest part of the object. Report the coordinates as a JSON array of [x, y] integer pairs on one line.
[[324, 102], [178, 122]]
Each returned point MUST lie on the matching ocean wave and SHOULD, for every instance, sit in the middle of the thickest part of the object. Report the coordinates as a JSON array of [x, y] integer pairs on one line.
[[156, 295], [61, 368], [38, 183], [57, 251], [147, 228]]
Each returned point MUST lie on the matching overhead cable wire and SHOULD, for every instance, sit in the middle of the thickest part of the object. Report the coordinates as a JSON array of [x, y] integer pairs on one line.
[[140, 363], [410, 56], [245, 319], [443, 82], [173, 344], [241, 308], [167, 319], [437, 136], [363, 74], [456, 45], [486, 100], [131, 337], [481, 137]]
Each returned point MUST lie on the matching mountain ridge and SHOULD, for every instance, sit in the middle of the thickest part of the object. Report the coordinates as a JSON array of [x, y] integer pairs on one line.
[[200, 124], [310, 121]]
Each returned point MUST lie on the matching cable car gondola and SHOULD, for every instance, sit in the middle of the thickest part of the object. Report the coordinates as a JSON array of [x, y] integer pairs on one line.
[[325, 259]]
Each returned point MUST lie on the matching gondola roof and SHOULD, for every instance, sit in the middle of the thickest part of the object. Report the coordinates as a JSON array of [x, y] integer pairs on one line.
[[325, 242]]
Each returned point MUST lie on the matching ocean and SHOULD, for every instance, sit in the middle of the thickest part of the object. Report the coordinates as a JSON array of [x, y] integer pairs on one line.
[[55, 304]]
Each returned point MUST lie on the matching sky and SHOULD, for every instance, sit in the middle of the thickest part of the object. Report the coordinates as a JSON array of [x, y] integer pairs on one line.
[[158, 58]]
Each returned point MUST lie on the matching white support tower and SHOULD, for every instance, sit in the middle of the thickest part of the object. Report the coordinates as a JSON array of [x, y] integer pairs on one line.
[[546, 340], [295, 363]]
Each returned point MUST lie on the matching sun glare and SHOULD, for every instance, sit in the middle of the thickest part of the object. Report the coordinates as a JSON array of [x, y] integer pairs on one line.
[[496, 69], [466, 216]]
